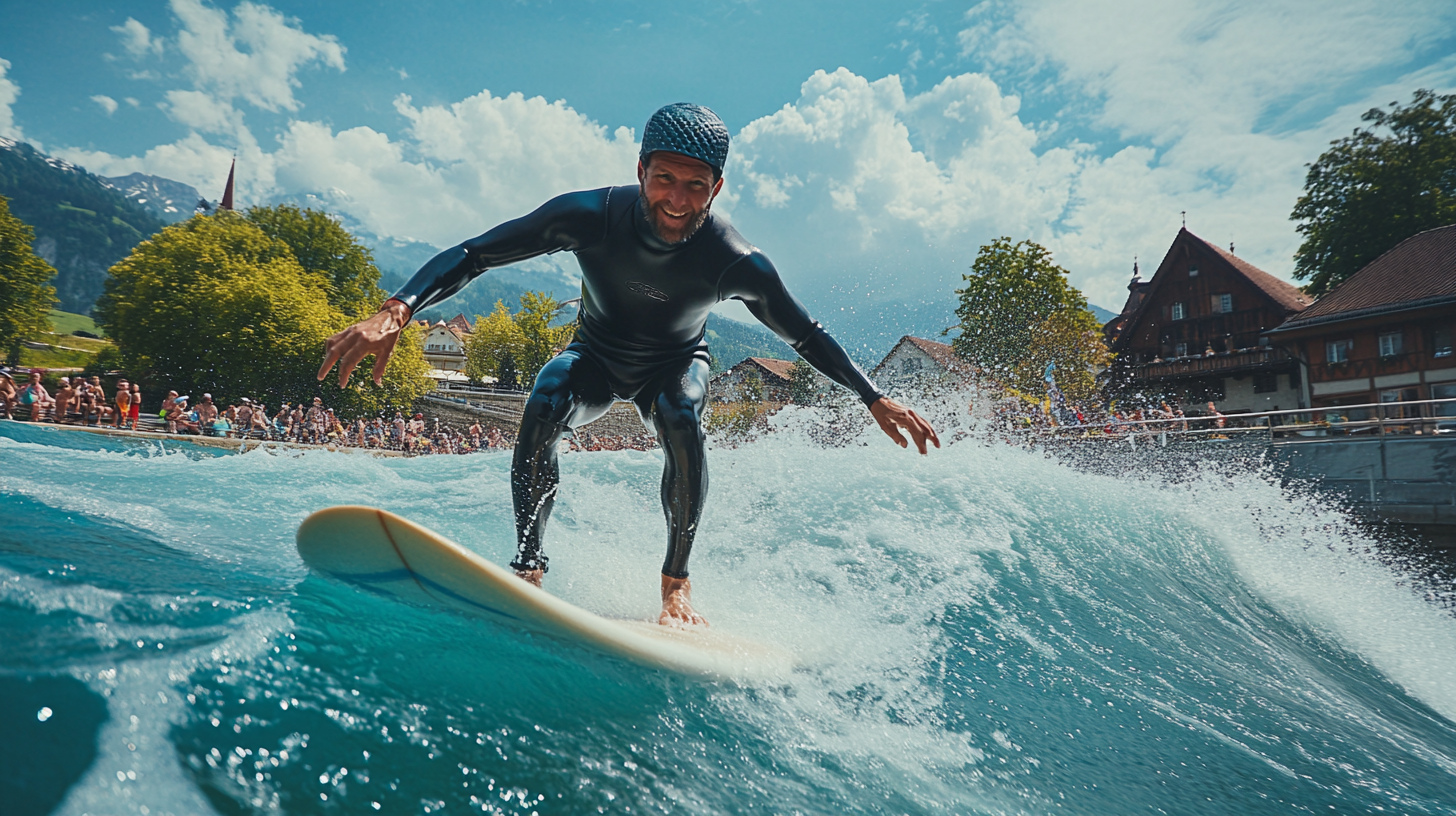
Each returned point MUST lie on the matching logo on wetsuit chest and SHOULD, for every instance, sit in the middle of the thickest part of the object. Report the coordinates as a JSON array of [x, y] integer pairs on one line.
[[643, 289]]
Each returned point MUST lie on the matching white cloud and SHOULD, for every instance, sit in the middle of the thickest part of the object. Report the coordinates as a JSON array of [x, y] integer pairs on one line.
[[897, 188], [461, 169], [137, 39], [861, 187], [9, 92], [1216, 108], [107, 103], [254, 57]]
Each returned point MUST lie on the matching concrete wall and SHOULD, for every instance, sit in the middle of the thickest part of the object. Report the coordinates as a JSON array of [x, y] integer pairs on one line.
[[1238, 395], [1407, 479]]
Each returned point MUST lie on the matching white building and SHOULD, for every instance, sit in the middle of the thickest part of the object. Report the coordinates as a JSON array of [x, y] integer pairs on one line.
[[917, 362]]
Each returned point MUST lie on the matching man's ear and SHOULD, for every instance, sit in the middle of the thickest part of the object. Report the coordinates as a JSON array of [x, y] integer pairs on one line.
[[641, 173], [717, 186]]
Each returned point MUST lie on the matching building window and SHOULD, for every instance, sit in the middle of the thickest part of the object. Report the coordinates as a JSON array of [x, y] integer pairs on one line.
[[1338, 351], [909, 365], [1441, 341], [1390, 344], [1221, 304], [1394, 395], [1192, 271], [1266, 383], [1440, 392], [1180, 349], [1179, 311]]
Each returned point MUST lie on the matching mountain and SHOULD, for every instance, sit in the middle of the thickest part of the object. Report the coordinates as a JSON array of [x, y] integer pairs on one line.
[[732, 341], [82, 223], [171, 201], [1103, 315]]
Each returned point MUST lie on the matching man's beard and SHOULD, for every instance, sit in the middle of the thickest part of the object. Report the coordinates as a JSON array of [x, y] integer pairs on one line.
[[692, 229]]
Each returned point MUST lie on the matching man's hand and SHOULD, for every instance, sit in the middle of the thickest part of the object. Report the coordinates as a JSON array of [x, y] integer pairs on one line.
[[373, 335], [892, 416], [677, 606]]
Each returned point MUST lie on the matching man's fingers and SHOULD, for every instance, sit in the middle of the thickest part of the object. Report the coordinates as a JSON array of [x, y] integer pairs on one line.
[[331, 356], [892, 430], [349, 362], [381, 360]]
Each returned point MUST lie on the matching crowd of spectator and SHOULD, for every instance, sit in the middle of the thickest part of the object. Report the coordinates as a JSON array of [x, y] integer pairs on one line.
[[83, 401]]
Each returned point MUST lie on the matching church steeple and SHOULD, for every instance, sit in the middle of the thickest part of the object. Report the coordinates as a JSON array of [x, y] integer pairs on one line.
[[227, 193]]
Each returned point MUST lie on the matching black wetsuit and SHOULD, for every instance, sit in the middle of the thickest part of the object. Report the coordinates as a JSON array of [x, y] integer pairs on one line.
[[639, 337]]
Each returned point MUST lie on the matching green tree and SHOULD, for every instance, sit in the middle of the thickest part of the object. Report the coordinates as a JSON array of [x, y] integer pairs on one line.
[[493, 345], [25, 297], [516, 346], [323, 247], [803, 383], [1009, 297], [543, 340], [1072, 339], [1376, 187], [215, 304]]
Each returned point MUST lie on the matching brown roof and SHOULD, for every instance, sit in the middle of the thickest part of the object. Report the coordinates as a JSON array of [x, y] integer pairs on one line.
[[460, 323], [1419, 271], [940, 352], [779, 368], [1287, 295]]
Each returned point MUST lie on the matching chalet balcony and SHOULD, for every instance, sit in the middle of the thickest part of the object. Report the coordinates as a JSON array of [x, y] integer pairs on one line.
[[1238, 362]]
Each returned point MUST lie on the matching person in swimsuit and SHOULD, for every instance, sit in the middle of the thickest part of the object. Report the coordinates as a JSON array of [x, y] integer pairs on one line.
[[655, 260], [134, 413], [123, 404]]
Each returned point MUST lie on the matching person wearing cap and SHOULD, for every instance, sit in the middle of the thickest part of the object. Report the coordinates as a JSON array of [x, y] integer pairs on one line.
[[655, 260], [65, 397]]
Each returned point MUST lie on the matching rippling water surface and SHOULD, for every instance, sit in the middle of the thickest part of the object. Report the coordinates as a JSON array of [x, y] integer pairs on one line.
[[984, 630]]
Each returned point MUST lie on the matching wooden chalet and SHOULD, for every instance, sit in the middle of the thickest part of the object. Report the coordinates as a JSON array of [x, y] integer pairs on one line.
[[1385, 333], [775, 376], [1194, 333]]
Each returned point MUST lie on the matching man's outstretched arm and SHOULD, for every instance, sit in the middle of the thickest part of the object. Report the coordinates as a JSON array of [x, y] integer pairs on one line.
[[754, 281], [567, 222]]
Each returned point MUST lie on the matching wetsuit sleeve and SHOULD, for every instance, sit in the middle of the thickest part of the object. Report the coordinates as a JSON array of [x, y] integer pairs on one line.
[[756, 282], [567, 222]]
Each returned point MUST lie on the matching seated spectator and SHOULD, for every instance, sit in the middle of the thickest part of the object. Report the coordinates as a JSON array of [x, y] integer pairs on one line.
[[96, 403], [35, 397], [8, 393], [65, 400], [206, 415], [182, 419]]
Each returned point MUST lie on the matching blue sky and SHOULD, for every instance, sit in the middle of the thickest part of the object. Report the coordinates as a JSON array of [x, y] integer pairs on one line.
[[877, 145]]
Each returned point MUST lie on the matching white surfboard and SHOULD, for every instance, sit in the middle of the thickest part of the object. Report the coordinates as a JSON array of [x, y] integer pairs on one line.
[[384, 553]]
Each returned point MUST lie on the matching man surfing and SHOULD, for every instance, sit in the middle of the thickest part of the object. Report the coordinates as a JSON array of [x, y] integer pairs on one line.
[[654, 260]]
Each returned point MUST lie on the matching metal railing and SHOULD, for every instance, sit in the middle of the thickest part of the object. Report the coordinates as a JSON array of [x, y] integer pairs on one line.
[[1375, 420]]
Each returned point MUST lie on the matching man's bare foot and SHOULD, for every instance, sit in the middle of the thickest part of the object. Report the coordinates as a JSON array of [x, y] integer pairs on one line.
[[677, 606], [532, 577]]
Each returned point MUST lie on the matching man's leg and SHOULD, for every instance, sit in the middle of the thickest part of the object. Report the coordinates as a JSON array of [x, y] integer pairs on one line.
[[571, 390], [677, 414]]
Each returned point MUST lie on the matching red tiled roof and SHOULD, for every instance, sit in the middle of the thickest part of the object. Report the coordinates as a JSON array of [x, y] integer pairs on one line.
[[783, 369], [1418, 271]]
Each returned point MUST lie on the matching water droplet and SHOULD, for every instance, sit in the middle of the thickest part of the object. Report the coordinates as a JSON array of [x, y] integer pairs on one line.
[[44, 713]]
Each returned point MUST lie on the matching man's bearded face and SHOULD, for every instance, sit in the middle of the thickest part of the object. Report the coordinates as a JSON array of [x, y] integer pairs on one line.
[[677, 195]]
